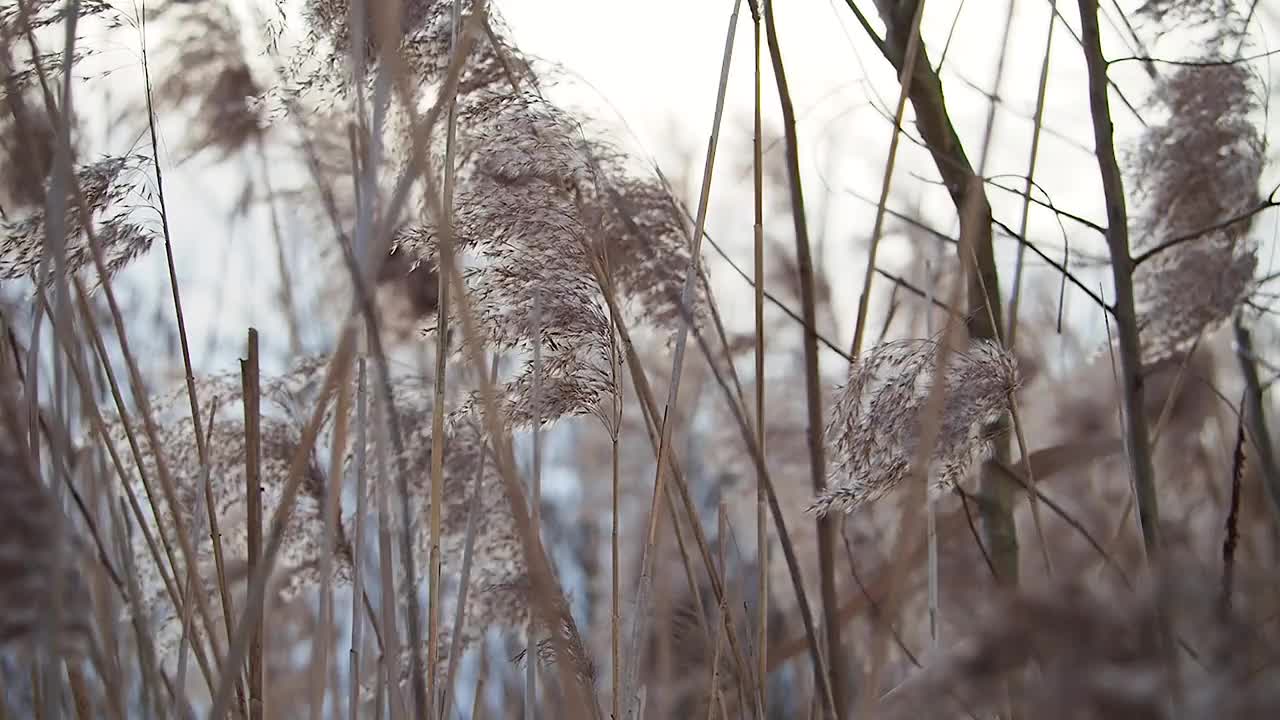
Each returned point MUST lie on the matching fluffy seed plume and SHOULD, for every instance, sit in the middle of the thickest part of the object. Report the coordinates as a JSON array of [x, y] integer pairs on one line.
[[875, 427], [110, 187], [1193, 175], [298, 565], [540, 207]]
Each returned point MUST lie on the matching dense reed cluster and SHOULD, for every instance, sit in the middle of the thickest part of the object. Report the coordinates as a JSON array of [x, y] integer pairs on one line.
[[525, 459], [44, 597]]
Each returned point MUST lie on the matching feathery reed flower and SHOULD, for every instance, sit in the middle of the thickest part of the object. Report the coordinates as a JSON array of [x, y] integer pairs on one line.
[[108, 186], [1192, 175], [298, 562], [876, 420]]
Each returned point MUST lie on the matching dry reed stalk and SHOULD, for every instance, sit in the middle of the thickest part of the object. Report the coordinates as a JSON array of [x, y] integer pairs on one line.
[[474, 510], [677, 366], [167, 578], [837, 703], [906, 79], [738, 413], [388, 673], [535, 494], [329, 497], [650, 410], [250, 373], [1122, 266], [357, 570], [97, 256], [762, 517], [1015, 292], [437, 416]]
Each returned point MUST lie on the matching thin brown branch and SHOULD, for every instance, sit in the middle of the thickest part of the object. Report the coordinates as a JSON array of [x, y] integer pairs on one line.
[[1122, 265]]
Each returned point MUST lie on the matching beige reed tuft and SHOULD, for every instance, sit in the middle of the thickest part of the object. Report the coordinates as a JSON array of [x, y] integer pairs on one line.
[[876, 419]]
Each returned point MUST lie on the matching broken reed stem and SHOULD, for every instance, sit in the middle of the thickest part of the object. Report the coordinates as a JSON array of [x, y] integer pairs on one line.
[[1122, 264], [251, 387], [337, 372]]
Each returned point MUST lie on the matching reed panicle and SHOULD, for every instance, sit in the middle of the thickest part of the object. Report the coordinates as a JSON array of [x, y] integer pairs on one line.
[[112, 189], [1195, 176], [875, 423]]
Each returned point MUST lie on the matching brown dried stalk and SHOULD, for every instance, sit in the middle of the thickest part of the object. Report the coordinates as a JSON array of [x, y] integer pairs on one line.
[[1135, 431], [827, 528]]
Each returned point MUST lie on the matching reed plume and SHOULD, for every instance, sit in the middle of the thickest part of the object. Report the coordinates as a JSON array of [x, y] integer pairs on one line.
[[112, 189], [1195, 179], [875, 424]]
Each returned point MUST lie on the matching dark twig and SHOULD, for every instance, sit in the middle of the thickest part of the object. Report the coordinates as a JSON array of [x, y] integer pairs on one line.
[[1233, 516]]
